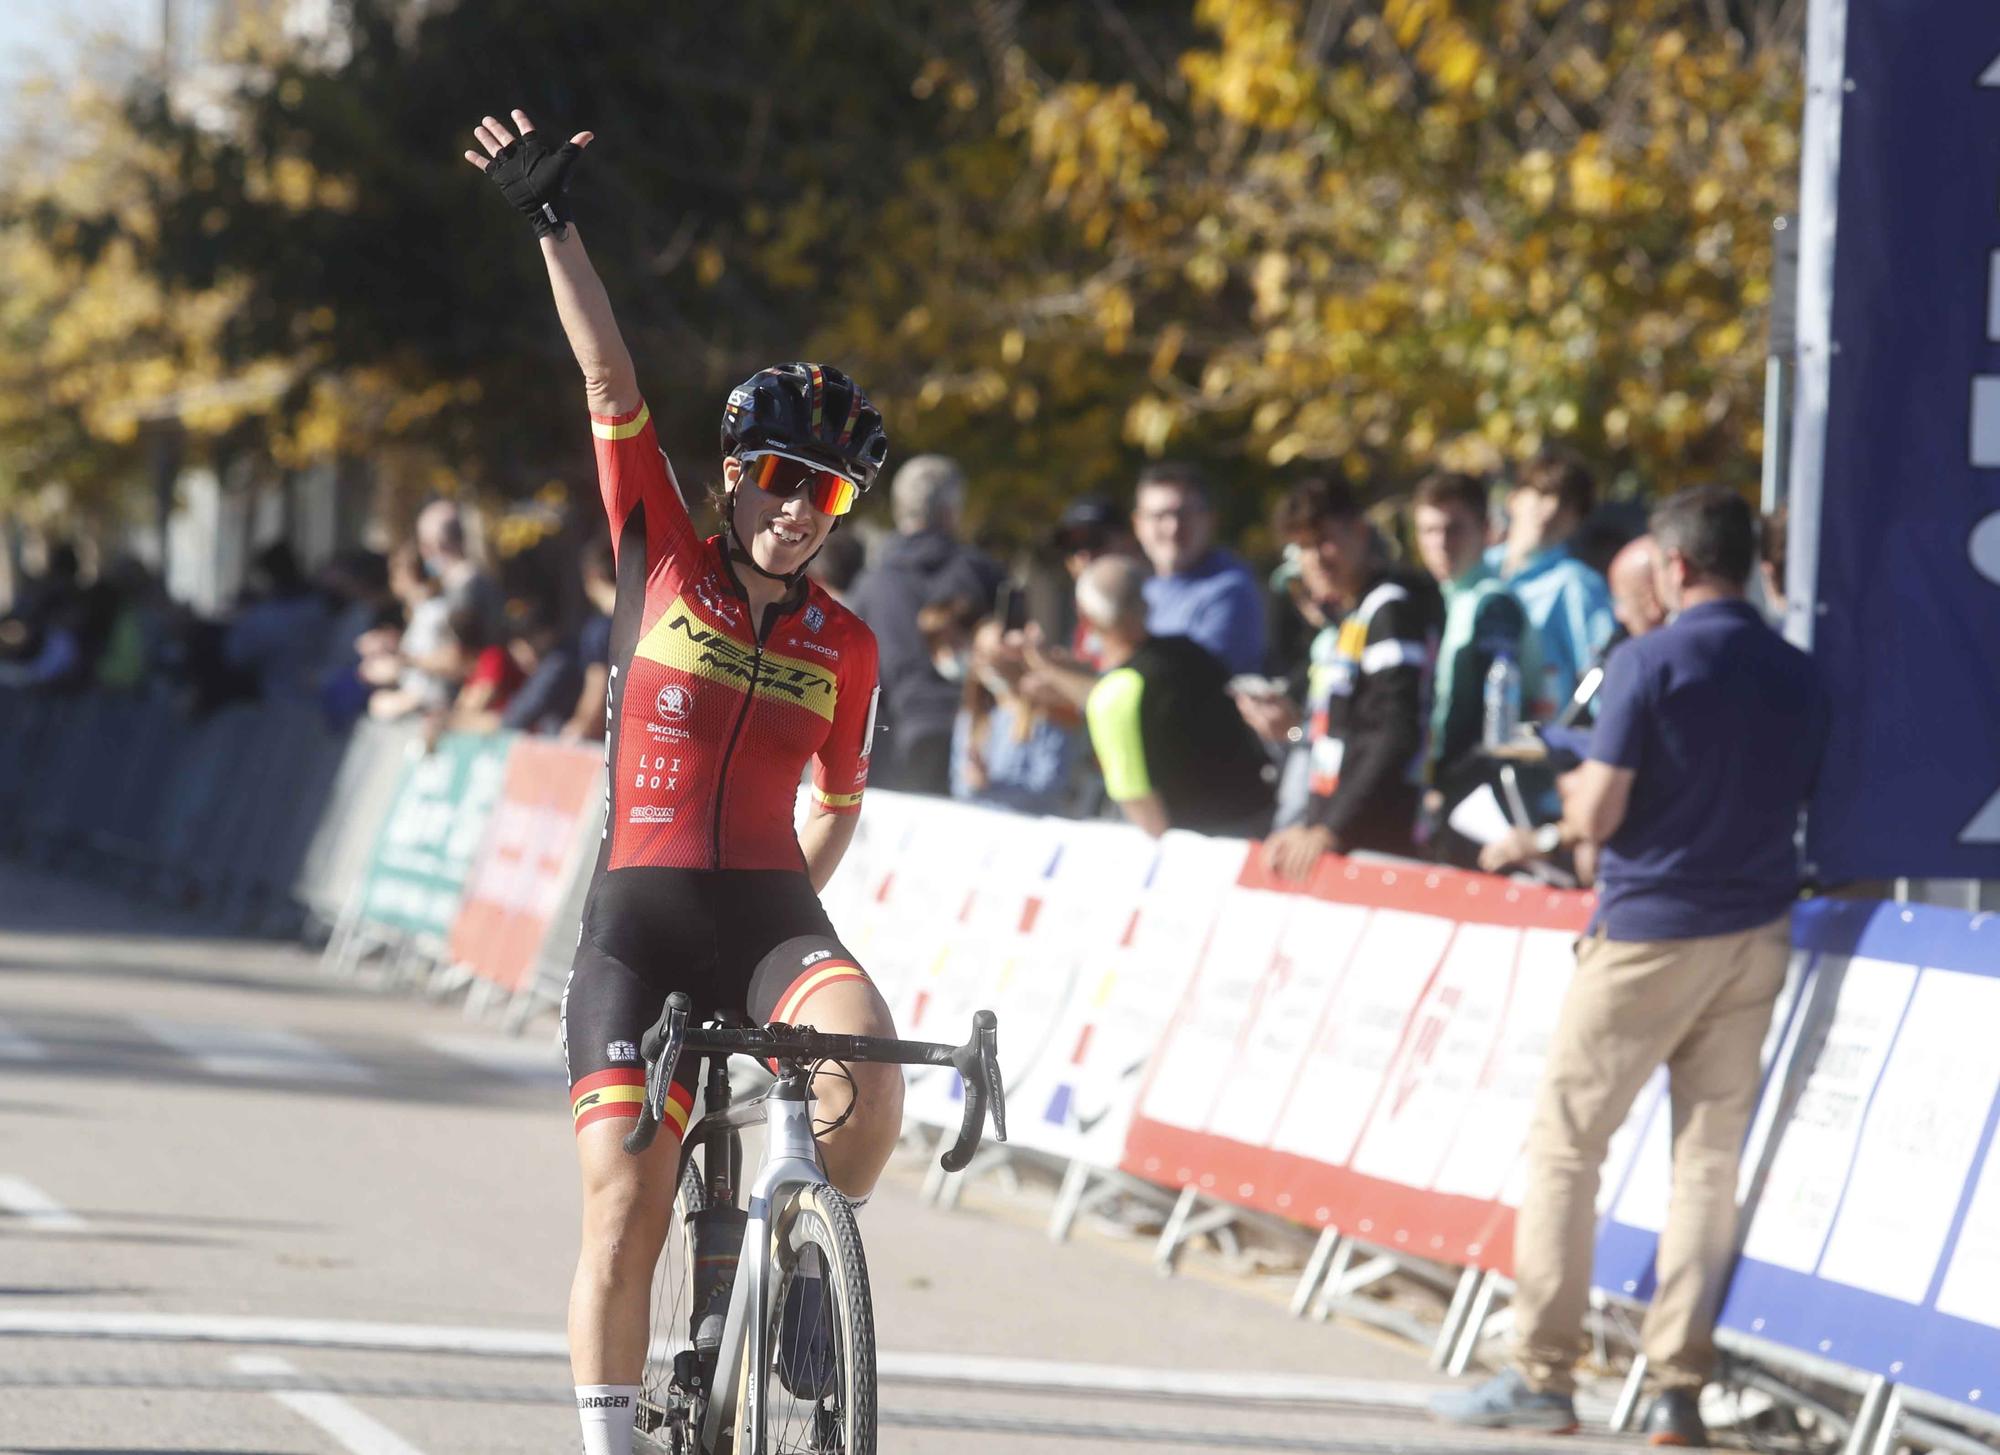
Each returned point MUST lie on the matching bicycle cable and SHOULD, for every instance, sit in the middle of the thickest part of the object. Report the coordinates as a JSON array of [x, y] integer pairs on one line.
[[853, 1094]]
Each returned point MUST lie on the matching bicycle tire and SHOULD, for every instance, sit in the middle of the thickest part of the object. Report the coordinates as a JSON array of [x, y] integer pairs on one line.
[[817, 1225], [673, 1299]]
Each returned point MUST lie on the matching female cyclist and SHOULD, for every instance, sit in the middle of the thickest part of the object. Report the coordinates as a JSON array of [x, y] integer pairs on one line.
[[729, 669]]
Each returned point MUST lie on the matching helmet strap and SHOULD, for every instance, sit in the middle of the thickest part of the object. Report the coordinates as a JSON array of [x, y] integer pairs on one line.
[[740, 552]]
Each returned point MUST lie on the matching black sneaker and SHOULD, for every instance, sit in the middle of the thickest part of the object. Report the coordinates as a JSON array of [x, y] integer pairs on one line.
[[806, 1363], [1674, 1418]]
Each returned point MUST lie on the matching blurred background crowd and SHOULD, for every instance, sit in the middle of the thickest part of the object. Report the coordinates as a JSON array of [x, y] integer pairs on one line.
[[1260, 373], [1128, 662]]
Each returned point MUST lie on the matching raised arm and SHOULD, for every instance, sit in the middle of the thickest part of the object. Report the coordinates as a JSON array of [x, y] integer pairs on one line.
[[533, 175], [638, 487]]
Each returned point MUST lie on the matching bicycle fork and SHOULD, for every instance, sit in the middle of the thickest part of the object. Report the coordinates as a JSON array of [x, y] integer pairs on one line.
[[790, 1161]]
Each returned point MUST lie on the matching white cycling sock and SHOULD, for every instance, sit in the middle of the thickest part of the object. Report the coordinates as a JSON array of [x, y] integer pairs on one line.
[[605, 1411]]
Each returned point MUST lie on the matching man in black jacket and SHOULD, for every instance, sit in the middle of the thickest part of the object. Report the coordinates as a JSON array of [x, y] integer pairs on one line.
[[923, 564], [1174, 750], [1368, 687]]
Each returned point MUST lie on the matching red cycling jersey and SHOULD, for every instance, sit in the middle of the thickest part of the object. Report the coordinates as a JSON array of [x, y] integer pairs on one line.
[[712, 719]]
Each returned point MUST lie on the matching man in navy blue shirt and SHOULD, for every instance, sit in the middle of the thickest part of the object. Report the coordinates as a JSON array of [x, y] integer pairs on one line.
[[1709, 735], [1198, 590]]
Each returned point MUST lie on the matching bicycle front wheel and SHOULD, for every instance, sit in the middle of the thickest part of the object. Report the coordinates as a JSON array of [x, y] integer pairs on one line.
[[664, 1419], [819, 1392]]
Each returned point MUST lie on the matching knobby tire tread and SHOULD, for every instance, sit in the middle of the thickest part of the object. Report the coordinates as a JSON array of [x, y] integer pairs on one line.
[[854, 1306]]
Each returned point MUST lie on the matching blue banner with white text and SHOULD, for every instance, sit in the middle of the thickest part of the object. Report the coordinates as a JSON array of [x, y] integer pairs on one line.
[[1908, 616]]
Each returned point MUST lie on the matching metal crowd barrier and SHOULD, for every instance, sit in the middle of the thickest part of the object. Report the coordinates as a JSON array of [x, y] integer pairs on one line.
[[342, 841], [214, 813]]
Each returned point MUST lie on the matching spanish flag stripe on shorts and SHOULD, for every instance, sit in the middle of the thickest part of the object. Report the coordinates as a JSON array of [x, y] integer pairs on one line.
[[621, 1092], [827, 972]]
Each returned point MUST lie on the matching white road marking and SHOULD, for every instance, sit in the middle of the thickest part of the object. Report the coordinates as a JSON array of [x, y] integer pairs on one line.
[[254, 1052], [362, 1434], [16, 1047], [1228, 1386], [300, 1333], [25, 1205], [525, 1060]]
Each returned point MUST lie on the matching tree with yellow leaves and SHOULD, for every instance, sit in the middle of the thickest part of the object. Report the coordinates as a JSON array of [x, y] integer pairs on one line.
[[1368, 234]]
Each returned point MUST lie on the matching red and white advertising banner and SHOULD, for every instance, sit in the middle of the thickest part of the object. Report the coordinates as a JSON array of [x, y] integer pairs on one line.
[[533, 844], [1363, 1054], [981, 958], [1123, 921]]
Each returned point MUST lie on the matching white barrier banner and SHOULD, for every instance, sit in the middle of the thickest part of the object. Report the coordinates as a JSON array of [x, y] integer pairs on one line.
[[1133, 967]]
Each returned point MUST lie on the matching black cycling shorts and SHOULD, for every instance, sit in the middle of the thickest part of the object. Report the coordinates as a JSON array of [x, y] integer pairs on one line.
[[750, 942]]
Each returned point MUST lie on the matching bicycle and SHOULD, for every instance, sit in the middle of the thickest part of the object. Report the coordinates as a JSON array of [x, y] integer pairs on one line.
[[740, 1391]]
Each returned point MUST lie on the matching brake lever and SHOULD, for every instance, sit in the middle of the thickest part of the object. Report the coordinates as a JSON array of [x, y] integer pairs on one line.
[[986, 1032], [662, 1047]]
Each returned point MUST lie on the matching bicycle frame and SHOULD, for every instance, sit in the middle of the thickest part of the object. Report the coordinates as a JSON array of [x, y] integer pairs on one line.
[[790, 1161]]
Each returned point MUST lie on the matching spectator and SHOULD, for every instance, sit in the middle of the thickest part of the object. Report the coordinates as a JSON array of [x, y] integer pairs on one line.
[[1635, 590], [1566, 601], [1005, 752], [491, 679], [275, 639], [593, 645], [1635, 605], [141, 622], [394, 661], [1366, 695], [1709, 735], [56, 658], [1198, 590], [1771, 563], [441, 540], [357, 582], [42, 641], [1174, 751], [946, 626], [551, 673], [922, 564], [1483, 620], [1301, 634], [838, 564], [1090, 527]]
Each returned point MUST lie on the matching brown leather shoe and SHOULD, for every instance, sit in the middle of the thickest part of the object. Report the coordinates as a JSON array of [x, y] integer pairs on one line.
[[1674, 1418]]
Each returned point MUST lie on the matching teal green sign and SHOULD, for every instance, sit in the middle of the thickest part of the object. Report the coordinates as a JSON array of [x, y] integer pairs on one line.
[[432, 835]]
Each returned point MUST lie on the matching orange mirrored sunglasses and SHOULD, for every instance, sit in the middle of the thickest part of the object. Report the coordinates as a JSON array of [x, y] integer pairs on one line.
[[777, 473]]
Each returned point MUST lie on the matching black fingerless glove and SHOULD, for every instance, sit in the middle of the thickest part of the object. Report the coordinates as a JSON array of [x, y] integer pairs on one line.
[[534, 176]]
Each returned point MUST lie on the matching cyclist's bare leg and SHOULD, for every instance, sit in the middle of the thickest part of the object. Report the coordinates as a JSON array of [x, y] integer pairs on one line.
[[628, 1203], [855, 1153]]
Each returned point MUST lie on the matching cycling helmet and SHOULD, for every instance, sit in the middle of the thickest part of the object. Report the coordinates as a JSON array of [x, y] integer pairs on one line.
[[811, 410]]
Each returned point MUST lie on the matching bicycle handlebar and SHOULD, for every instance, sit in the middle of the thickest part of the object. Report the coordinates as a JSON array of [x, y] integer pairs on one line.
[[977, 1063]]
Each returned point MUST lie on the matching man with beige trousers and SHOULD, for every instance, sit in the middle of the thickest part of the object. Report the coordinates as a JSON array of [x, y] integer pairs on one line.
[[1709, 736]]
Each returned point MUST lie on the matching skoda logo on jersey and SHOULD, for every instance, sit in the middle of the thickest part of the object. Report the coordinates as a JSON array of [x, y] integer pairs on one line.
[[815, 618], [674, 702]]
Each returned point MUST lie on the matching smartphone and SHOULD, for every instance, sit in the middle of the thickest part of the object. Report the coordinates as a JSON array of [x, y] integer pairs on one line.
[[1011, 606]]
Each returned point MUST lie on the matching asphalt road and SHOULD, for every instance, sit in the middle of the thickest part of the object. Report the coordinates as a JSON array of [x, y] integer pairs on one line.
[[246, 1207]]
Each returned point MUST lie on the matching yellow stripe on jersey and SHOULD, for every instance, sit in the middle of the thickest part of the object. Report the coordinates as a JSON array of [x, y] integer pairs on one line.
[[838, 800], [681, 640], [623, 431]]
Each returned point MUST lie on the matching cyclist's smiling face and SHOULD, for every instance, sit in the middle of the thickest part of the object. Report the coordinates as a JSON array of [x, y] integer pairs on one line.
[[782, 532]]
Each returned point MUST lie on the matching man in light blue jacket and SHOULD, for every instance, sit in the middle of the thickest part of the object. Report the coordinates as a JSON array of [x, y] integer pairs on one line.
[[1568, 604]]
